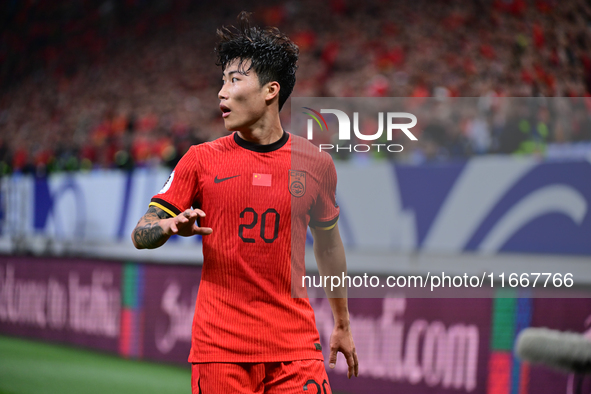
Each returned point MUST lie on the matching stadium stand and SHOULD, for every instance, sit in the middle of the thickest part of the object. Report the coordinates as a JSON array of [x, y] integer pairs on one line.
[[103, 84]]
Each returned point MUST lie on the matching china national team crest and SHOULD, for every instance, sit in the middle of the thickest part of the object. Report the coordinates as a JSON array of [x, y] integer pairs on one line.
[[297, 183]]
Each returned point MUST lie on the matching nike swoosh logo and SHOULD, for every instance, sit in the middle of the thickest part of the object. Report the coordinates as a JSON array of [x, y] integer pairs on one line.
[[218, 180]]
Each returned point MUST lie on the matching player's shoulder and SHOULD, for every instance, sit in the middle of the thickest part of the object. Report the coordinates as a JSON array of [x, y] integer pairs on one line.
[[303, 148], [219, 144]]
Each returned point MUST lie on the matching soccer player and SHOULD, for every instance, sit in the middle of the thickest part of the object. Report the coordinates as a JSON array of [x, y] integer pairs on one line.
[[261, 187]]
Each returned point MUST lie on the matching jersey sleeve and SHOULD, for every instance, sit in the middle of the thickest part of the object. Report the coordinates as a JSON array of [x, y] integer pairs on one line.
[[325, 212], [180, 190]]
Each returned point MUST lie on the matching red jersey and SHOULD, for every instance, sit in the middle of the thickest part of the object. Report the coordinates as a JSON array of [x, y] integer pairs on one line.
[[259, 200]]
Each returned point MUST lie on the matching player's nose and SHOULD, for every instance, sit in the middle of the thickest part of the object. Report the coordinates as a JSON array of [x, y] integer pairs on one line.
[[223, 93]]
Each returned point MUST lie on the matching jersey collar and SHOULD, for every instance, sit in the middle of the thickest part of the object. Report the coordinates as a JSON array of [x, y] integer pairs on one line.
[[262, 148]]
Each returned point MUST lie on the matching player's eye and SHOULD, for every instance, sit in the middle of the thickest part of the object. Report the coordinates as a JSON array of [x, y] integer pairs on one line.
[[234, 79]]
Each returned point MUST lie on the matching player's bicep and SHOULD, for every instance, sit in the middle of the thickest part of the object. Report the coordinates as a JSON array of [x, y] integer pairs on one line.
[[179, 191], [326, 238], [330, 256], [325, 212]]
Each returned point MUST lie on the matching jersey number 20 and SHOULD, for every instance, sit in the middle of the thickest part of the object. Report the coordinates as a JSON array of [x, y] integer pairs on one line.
[[255, 219]]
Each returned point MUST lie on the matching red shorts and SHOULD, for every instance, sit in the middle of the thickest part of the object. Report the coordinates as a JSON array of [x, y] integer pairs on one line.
[[303, 376]]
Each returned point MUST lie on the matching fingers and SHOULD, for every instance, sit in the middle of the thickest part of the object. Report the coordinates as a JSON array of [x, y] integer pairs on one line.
[[187, 222], [332, 359], [351, 364], [190, 215], [201, 230], [173, 227], [352, 361], [182, 218], [193, 213], [199, 212]]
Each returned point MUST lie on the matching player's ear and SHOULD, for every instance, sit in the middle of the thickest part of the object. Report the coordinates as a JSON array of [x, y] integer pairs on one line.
[[272, 90]]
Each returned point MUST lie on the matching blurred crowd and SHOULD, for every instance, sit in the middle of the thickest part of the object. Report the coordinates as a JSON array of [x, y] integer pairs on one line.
[[87, 84]]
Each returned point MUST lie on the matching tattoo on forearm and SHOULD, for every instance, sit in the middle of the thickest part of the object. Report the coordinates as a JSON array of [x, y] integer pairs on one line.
[[149, 236], [148, 233]]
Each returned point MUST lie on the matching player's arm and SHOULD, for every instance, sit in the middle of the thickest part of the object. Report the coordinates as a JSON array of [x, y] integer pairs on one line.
[[156, 227], [330, 257]]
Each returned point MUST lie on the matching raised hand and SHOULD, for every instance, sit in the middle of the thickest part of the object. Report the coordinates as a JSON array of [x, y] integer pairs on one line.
[[156, 226], [185, 224]]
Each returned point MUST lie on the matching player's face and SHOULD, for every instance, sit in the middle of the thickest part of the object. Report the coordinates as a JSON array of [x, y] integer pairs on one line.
[[242, 99]]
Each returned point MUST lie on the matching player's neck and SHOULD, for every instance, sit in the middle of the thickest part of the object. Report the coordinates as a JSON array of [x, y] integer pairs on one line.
[[263, 132]]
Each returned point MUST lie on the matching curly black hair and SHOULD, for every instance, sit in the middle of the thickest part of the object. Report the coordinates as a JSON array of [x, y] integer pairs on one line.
[[272, 54]]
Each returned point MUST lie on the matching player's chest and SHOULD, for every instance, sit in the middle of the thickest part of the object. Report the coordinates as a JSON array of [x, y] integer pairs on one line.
[[257, 185]]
